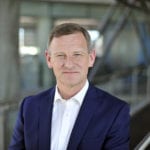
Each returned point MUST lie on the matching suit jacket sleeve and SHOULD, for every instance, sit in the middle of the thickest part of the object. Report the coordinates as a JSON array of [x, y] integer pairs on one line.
[[118, 135], [17, 141]]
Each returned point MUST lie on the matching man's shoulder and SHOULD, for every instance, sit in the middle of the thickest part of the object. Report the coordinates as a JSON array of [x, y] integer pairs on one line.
[[107, 98], [109, 104], [36, 98]]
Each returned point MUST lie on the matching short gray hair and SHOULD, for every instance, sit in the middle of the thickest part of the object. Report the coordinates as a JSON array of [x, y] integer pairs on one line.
[[70, 28]]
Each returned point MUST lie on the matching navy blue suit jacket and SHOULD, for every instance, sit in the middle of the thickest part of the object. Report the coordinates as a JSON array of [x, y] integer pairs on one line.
[[102, 123]]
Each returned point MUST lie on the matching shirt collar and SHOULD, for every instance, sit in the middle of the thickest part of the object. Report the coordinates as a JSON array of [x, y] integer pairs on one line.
[[79, 97]]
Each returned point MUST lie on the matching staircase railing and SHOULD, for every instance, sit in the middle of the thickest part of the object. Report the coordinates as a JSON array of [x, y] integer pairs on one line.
[[144, 143]]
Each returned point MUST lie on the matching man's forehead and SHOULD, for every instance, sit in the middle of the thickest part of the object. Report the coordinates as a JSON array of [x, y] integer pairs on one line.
[[81, 50]]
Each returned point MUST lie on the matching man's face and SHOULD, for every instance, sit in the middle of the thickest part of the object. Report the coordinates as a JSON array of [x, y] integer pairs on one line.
[[69, 58]]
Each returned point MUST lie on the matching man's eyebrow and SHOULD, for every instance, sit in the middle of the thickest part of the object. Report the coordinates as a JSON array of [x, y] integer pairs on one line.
[[75, 51], [55, 53], [81, 51]]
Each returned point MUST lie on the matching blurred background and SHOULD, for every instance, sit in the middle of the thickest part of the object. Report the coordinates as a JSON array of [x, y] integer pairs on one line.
[[120, 32]]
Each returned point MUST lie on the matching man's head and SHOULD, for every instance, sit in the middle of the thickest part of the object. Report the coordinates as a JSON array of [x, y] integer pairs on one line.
[[69, 55]]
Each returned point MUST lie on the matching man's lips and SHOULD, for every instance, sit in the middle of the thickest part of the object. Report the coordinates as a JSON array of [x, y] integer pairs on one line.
[[70, 72]]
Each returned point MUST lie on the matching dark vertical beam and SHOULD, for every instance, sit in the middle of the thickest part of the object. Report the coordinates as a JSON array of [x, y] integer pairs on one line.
[[9, 54], [142, 41], [118, 27], [107, 19]]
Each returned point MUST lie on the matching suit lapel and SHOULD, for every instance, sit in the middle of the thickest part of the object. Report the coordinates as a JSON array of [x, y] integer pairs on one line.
[[45, 116], [86, 112]]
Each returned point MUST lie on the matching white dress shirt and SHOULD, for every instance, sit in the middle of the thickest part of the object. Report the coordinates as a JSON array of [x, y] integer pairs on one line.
[[63, 117]]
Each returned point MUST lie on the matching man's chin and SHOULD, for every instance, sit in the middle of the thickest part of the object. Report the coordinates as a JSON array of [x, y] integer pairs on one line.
[[72, 83]]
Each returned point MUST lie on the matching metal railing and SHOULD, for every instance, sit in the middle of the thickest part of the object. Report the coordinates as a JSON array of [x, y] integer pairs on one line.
[[144, 143]]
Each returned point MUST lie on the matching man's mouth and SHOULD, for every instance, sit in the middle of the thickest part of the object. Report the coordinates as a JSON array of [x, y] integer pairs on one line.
[[70, 72]]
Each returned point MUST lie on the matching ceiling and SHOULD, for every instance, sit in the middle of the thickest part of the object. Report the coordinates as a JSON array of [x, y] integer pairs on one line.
[[143, 5], [84, 1]]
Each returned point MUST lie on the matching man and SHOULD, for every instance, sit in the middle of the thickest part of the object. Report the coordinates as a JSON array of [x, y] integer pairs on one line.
[[73, 115]]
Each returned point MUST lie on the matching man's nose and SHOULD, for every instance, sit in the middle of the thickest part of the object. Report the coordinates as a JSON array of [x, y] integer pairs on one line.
[[69, 62]]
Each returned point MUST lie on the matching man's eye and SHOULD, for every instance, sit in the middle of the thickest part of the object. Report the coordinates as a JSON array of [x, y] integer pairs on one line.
[[77, 54], [60, 55]]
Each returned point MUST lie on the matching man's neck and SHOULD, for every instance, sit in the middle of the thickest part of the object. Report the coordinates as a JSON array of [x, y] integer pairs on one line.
[[67, 92]]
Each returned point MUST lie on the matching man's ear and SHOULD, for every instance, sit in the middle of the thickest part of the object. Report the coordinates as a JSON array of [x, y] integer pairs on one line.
[[48, 59], [92, 56]]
